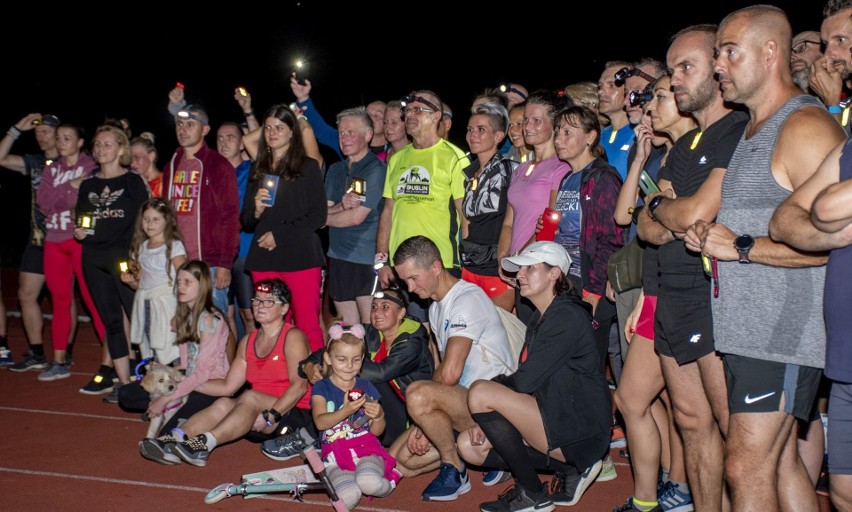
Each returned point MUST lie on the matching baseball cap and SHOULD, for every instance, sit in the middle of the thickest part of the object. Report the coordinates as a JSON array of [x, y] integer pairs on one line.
[[50, 120], [539, 252], [195, 112]]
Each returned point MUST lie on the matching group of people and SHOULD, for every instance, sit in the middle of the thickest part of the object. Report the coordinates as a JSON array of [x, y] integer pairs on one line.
[[721, 168]]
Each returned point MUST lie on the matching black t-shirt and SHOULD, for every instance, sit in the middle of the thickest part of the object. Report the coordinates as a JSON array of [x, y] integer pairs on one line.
[[484, 206], [681, 271], [115, 203]]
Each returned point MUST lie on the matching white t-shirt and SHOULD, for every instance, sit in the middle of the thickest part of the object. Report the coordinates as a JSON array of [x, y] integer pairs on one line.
[[467, 312], [153, 262]]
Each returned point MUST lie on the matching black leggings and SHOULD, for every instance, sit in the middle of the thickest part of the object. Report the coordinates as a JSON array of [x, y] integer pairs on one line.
[[111, 296]]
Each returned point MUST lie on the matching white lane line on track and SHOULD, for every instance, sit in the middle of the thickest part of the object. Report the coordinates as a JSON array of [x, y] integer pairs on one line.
[[139, 483], [61, 413]]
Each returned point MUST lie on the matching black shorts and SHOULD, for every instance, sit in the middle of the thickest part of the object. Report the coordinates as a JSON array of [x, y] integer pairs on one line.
[[32, 259], [755, 385], [347, 280], [242, 287], [683, 328]]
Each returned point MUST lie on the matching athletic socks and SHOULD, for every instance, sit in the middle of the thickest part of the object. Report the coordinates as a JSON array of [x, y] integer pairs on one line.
[[644, 506], [211, 441], [38, 350], [507, 442]]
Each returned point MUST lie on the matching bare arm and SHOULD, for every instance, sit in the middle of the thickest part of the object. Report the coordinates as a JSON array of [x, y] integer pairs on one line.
[[809, 172], [251, 141], [680, 213], [295, 350], [339, 217], [650, 231], [450, 370], [15, 162], [630, 188]]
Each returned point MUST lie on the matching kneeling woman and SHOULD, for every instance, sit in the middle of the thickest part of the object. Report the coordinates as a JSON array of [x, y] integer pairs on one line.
[[555, 410], [268, 359]]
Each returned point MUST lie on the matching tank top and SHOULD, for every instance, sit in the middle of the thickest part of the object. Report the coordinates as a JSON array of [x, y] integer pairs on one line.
[[765, 312], [269, 374]]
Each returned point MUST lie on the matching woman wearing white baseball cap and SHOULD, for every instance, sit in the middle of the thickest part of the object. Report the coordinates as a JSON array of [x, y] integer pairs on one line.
[[554, 412]]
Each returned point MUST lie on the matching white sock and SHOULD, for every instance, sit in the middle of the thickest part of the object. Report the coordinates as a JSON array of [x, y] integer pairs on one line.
[[211, 441]]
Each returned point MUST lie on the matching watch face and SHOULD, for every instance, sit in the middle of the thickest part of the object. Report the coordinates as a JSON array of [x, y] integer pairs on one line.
[[744, 242]]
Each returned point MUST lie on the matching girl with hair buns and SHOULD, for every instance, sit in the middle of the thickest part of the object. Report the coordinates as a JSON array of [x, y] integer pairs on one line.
[[144, 162], [347, 412]]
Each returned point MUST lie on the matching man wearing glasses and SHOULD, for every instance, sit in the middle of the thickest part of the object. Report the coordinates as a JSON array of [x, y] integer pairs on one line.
[[807, 48], [424, 187]]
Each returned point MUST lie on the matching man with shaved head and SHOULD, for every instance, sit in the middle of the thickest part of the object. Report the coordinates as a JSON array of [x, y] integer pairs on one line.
[[767, 318]]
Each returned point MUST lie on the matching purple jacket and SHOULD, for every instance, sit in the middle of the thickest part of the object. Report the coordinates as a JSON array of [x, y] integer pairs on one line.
[[600, 235], [219, 203]]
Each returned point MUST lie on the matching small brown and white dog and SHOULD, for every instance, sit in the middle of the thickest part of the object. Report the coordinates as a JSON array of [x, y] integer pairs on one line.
[[162, 381]]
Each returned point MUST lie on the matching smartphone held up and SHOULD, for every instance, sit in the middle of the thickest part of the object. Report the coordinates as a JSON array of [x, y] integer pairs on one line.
[[550, 221]]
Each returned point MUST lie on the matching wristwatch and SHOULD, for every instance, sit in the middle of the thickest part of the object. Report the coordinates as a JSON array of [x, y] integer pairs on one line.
[[652, 206], [743, 245]]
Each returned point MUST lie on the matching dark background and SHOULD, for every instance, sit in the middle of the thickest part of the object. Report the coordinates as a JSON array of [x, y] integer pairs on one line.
[[121, 59]]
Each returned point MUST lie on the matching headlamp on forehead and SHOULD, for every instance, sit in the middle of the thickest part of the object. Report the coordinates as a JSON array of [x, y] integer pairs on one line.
[[268, 288], [411, 98], [509, 88], [186, 115], [626, 72]]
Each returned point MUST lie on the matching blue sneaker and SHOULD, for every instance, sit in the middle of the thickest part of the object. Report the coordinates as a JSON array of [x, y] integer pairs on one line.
[[495, 476], [672, 499], [6, 357], [448, 485]]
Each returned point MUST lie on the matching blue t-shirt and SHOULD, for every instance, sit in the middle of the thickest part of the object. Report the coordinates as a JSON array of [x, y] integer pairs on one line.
[[618, 147], [353, 426], [243, 171], [568, 234], [356, 244]]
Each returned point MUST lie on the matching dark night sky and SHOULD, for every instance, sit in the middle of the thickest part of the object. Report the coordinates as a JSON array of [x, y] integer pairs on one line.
[[67, 64]]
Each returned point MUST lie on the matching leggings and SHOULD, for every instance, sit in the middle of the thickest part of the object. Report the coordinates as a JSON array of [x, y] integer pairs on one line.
[[100, 266], [305, 307], [62, 262]]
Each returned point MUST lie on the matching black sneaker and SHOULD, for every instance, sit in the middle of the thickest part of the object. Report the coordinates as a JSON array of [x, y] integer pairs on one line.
[[29, 362], [518, 499], [284, 447], [194, 450], [99, 385], [160, 450], [566, 490]]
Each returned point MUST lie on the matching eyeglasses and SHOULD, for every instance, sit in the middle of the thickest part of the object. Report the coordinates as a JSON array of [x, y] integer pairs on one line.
[[267, 303], [417, 111], [803, 46], [411, 98]]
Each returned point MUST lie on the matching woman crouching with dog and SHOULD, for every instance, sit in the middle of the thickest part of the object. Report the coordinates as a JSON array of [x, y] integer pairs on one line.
[[203, 336], [277, 400]]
